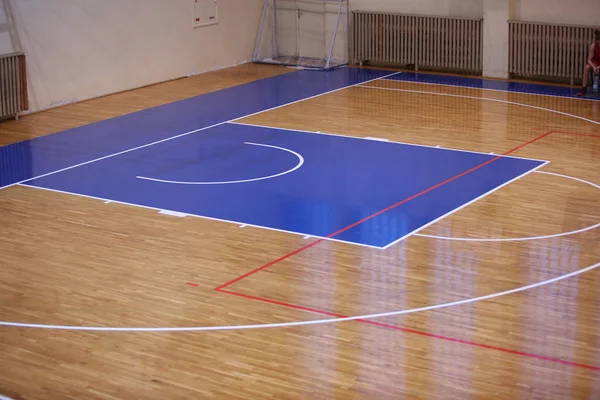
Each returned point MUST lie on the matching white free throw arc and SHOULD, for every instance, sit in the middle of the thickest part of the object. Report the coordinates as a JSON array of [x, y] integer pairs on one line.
[[300, 162], [299, 323], [589, 228]]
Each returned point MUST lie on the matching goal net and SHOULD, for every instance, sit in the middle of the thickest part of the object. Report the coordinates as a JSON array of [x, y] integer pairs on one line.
[[304, 33]]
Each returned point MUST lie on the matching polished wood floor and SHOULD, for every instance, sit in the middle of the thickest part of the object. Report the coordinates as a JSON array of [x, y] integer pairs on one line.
[[70, 260]]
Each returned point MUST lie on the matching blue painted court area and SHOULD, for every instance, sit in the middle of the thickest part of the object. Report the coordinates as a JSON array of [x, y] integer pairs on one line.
[[188, 157], [323, 183], [25, 160]]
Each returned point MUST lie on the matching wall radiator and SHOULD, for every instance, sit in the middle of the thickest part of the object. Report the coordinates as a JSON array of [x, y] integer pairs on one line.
[[13, 85], [548, 51], [435, 43]]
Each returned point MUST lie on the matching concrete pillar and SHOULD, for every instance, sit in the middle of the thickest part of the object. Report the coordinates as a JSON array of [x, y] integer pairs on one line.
[[496, 14]]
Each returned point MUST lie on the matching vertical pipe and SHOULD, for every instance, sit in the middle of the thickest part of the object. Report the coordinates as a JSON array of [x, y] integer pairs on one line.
[[368, 36], [479, 59], [361, 37], [517, 31], [24, 93], [533, 40], [441, 42], [348, 44], [275, 31], [384, 33], [521, 48], [469, 45], [337, 23], [3, 96], [529, 51], [449, 44], [355, 42], [325, 35], [480, 36], [436, 41], [260, 30], [461, 53], [570, 47], [554, 51], [380, 33], [542, 43], [511, 47], [574, 50], [419, 40], [371, 43], [9, 81], [297, 9], [559, 50], [550, 45], [455, 39], [4, 85], [546, 61], [475, 46], [406, 51], [14, 81], [393, 30], [353, 56], [524, 48]]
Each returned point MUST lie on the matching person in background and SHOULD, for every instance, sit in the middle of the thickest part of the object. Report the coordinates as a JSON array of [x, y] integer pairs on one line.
[[593, 62]]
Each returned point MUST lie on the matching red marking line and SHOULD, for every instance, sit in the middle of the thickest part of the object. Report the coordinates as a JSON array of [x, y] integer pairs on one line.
[[414, 331], [191, 284], [389, 326], [316, 242]]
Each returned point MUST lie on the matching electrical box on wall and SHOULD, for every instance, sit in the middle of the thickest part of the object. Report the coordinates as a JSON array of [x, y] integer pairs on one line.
[[205, 12]]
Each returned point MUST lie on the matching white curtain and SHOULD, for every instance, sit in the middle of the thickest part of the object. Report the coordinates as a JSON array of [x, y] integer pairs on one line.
[[79, 49]]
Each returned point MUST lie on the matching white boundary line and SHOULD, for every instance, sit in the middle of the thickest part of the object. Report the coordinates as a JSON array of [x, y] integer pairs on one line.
[[300, 163], [371, 139], [482, 98], [522, 239], [492, 90], [301, 323], [466, 204], [165, 211], [173, 213], [5, 398], [197, 130]]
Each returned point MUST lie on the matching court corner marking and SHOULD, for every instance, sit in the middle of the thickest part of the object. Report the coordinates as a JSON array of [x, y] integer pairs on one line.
[[416, 231]]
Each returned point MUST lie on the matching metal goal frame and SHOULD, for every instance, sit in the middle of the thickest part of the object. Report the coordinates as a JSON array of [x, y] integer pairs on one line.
[[304, 33]]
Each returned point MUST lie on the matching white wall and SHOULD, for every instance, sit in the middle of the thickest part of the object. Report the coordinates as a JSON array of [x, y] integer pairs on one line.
[[451, 8], [572, 12], [87, 48], [6, 45], [496, 13]]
